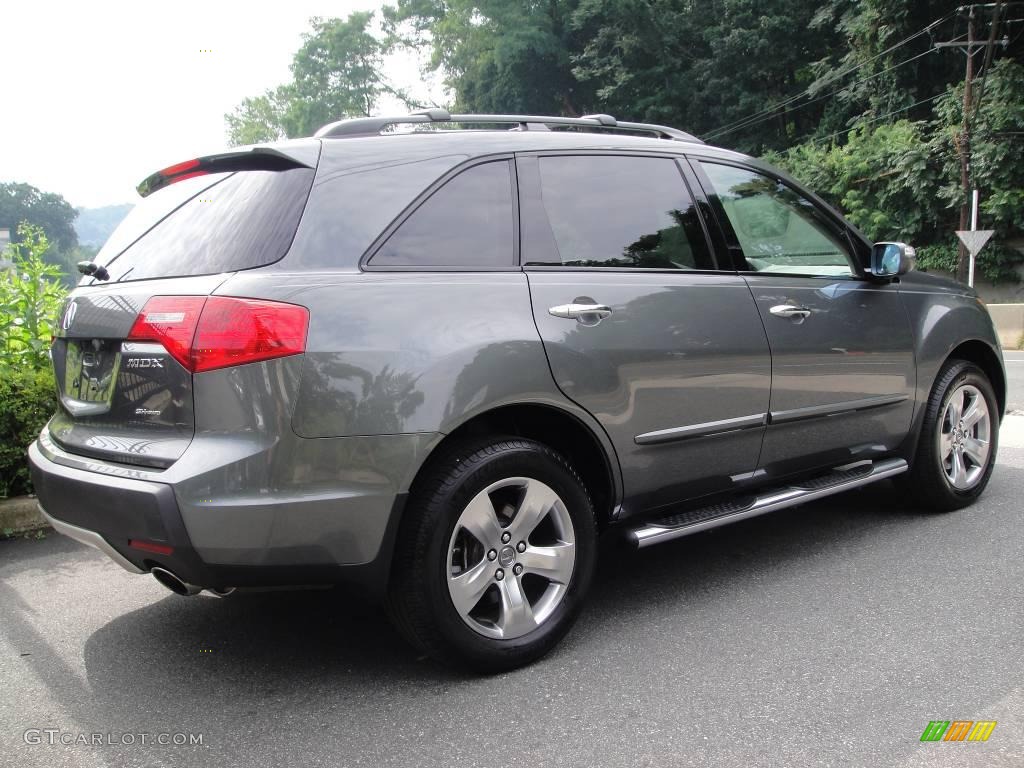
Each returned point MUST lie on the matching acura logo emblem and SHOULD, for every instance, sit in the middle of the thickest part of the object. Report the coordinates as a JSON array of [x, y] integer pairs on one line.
[[69, 316]]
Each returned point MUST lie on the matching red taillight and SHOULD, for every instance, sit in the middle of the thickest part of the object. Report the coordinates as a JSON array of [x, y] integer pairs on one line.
[[204, 334], [171, 321], [236, 331], [150, 546]]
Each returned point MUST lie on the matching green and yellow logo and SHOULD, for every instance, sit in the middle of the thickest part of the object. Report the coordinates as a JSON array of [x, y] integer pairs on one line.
[[958, 730]]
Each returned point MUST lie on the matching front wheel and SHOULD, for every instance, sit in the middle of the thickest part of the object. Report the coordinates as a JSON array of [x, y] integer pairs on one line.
[[959, 435], [495, 555]]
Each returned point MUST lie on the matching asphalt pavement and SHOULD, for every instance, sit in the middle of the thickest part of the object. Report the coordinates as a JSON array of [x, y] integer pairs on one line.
[[826, 635]]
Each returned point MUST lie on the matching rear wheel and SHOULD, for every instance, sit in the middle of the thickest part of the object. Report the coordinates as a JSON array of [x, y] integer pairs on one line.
[[495, 556], [957, 447]]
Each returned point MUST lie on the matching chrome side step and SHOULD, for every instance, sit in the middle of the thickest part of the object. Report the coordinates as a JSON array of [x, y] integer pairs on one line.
[[768, 500]]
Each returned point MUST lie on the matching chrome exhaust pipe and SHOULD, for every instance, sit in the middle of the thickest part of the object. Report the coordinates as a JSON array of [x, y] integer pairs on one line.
[[173, 583]]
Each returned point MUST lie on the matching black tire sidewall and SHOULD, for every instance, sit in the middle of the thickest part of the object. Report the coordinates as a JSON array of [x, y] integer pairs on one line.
[[514, 458], [928, 465]]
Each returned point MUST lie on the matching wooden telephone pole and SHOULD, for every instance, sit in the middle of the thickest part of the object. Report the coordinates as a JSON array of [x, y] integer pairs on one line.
[[963, 140]]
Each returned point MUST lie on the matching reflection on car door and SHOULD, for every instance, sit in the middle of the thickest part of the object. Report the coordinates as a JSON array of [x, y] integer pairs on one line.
[[843, 370], [639, 326]]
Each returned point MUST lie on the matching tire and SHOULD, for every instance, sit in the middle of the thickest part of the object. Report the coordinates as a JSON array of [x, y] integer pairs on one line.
[[934, 480], [450, 530]]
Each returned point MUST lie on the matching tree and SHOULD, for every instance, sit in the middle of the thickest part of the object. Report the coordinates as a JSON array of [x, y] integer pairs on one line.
[[256, 120], [46, 210], [997, 133], [50, 212], [336, 73], [499, 55]]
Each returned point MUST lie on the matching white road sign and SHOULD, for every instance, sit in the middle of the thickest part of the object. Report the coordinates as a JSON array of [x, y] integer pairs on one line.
[[974, 240]]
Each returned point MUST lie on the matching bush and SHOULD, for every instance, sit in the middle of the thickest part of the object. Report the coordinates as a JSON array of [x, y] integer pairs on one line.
[[27, 399], [30, 298]]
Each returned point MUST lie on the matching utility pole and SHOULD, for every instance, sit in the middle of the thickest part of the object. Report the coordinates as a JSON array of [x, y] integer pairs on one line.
[[963, 140], [964, 145]]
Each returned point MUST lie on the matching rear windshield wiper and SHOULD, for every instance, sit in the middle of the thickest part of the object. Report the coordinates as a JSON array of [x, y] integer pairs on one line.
[[94, 270]]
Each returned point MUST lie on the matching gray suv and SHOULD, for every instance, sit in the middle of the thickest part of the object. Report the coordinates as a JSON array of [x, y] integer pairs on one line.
[[437, 363]]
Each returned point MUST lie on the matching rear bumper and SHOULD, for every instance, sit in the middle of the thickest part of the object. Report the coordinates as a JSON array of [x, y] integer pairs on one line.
[[90, 538], [227, 544]]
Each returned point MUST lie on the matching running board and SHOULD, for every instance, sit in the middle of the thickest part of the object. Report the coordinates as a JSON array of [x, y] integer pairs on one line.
[[692, 521]]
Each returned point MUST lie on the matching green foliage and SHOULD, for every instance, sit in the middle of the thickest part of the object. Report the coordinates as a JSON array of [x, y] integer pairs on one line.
[[998, 173], [30, 297], [901, 181], [47, 210], [499, 55], [846, 95], [336, 73], [256, 120], [883, 178], [27, 399]]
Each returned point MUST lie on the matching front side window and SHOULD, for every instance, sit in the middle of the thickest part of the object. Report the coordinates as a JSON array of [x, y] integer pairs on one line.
[[779, 230], [610, 211], [469, 223]]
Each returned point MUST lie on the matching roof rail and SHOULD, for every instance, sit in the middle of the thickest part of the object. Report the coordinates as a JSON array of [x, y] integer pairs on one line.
[[372, 126]]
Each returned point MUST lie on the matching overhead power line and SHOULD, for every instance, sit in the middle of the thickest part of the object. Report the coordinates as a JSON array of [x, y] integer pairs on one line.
[[840, 89], [743, 122], [823, 139]]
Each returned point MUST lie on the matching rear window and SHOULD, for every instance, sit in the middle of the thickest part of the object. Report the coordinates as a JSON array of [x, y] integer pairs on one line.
[[469, 222], [211, 224]]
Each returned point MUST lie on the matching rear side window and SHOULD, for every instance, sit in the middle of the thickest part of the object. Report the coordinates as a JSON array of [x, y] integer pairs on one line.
[[608, 211], [469, 222], [240, 221]]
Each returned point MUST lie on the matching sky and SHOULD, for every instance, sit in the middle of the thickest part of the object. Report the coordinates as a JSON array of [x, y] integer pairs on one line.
[[99, 94]]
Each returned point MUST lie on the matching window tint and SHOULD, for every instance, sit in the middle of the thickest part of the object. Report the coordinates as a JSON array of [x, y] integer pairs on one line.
[[357, 194], [606, 211], [469, 222], [149, 212], [246, 220], [779, 230]]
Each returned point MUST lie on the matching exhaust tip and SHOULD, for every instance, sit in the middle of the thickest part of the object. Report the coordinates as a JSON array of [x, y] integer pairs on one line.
[[173, 583]]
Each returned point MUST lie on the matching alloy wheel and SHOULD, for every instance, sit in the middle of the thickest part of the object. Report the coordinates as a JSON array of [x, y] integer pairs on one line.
[[965, 437], [511, 557]]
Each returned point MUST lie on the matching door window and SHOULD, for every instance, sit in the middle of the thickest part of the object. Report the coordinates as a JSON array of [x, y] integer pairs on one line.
[[610, 211], [779, 230], [469, 222]]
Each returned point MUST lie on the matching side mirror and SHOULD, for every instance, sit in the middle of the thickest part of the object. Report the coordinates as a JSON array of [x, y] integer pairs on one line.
[[892, 259]]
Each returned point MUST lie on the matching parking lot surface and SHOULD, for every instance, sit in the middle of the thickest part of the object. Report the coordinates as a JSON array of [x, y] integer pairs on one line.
[[828, 634]]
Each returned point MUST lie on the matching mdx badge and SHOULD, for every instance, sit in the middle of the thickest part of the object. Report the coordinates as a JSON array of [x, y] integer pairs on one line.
[[144, 362]]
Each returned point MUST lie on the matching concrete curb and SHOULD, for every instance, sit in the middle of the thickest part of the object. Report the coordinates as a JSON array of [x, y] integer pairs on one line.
[[1009, 322], [20, 515]]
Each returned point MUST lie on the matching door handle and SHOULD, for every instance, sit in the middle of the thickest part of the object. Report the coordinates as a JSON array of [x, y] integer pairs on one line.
[[789, 310], [577, 311]]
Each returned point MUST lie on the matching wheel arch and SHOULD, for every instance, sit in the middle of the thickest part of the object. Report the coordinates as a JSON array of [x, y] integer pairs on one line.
[[982, 355], [973, 350], [591, 456]]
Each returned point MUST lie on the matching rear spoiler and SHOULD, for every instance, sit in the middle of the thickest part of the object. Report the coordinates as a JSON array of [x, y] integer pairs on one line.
[[256, 159]]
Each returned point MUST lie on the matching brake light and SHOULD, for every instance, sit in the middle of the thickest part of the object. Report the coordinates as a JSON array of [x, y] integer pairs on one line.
[[171, 321], [204, 334], [171, 175]]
